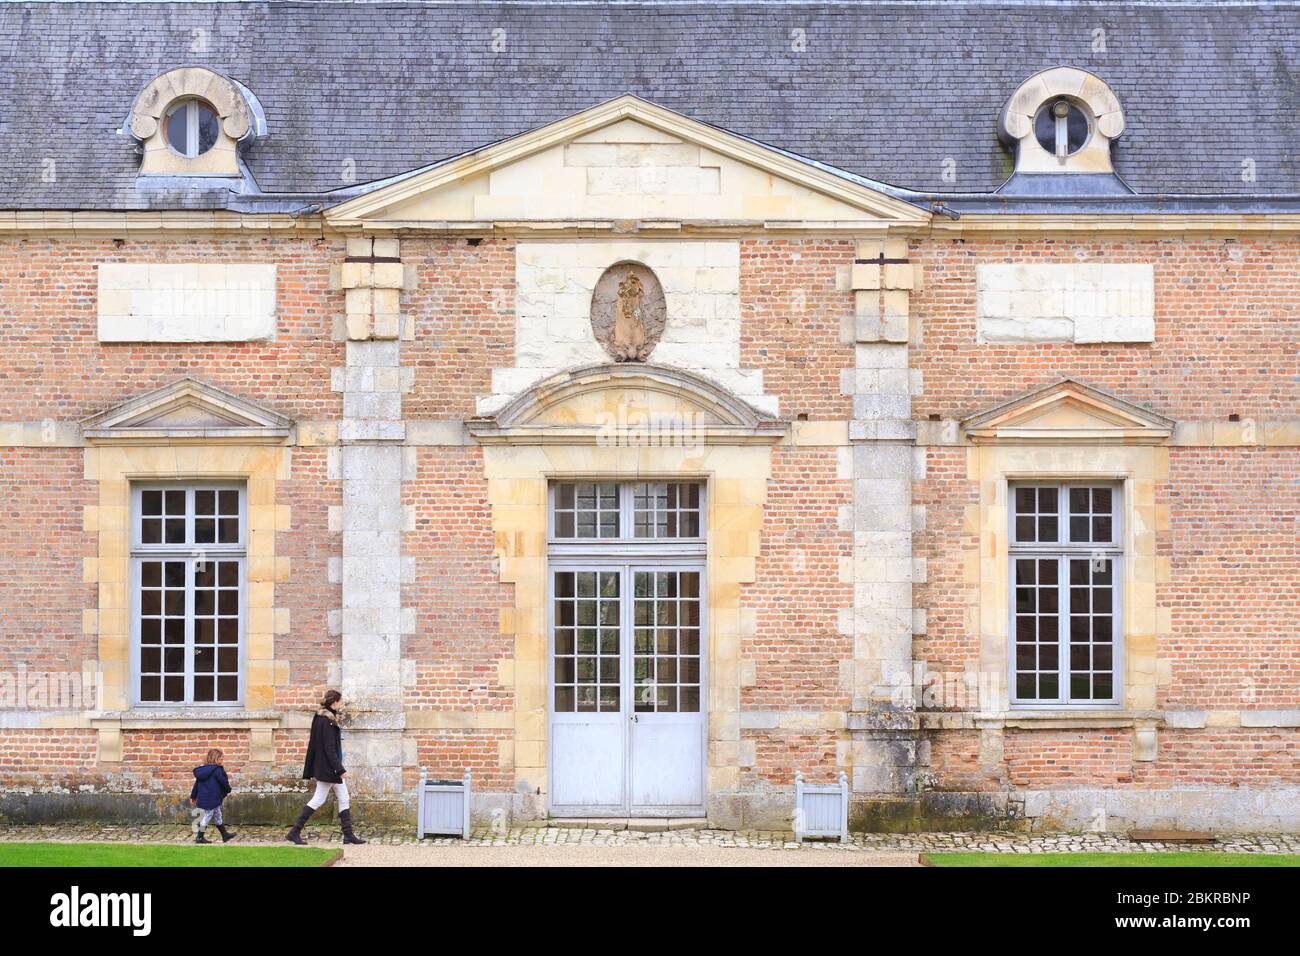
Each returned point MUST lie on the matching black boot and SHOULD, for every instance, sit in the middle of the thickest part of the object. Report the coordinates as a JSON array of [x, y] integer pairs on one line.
[[201, 838], [295, 835], [345, 820], [226, 835]]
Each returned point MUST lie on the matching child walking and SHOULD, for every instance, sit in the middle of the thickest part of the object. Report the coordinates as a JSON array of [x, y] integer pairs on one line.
[[211, 785]]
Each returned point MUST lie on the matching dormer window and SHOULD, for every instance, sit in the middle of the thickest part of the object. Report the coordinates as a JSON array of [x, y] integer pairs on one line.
[[192, 122], [1062, 122], [191, 127], [1061, 128]]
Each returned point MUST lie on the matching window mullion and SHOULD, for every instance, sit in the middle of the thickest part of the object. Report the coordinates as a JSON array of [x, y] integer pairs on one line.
[[189, 632], [626, 500], [1063, 626]]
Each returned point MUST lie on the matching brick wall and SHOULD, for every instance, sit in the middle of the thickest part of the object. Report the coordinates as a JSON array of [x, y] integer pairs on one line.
[[797, 647], [950, 641], [1092, 758], [1234, 593], [447, 753], [464, 313], [791, 318], [52, 365], [778, 756], [309, 648], [1226, 318], [457, 594], [41, 757], [42, 546]]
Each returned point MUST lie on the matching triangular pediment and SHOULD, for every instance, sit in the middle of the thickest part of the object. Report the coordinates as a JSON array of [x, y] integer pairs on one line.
[[1069, 412], [625, 160], [187, 410]]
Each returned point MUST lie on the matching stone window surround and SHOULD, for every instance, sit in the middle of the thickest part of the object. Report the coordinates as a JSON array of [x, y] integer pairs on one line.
[[1138, 469], [115, 469]]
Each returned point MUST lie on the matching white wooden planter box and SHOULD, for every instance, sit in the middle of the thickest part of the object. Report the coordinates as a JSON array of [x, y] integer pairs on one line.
[[821, 809], [444, 807]]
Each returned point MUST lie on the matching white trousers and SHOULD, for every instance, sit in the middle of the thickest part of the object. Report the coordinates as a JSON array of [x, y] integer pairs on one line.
[[210, 816], [322, 794]]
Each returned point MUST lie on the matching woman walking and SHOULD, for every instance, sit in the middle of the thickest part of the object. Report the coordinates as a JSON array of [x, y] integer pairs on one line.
[[324, 764]]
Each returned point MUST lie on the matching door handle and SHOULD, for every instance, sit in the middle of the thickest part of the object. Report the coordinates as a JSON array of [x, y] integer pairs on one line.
[[633, 718]]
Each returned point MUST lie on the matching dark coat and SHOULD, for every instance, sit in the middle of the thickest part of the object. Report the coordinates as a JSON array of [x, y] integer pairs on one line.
[[210, 786], [324, 751]]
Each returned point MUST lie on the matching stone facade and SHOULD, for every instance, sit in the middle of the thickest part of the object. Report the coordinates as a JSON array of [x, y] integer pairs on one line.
[[862, 381]]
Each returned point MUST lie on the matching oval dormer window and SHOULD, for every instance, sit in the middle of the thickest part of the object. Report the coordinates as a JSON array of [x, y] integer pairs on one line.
[[190, 127], [1061, 128]]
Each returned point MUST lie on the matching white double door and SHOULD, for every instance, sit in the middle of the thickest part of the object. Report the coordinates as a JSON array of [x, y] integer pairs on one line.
[[627, 688]]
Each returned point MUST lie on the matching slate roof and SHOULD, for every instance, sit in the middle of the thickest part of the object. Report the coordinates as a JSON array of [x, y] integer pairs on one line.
[[886, 91]]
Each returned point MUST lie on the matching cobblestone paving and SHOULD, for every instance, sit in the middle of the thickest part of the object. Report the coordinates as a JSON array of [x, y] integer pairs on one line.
[[771, 840]]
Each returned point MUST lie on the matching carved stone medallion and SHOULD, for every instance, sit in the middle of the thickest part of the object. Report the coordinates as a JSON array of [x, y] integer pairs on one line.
[[628, 312]]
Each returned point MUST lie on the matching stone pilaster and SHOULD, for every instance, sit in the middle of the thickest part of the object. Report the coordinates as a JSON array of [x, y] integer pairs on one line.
[[371, 464], [883, 726]]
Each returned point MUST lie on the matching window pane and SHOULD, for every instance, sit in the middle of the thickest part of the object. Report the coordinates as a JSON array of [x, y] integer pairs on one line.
[[176, 128], [586, 509], [1090, 632], [1035, 514], [1091, 519], [663, 509], [1037, 624], [207, 129]]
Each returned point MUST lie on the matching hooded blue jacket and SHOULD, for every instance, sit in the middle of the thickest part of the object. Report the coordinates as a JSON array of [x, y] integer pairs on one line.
[[210, 786]]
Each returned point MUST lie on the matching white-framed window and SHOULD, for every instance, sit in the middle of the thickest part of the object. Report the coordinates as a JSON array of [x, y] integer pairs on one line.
[[1061, 128], [638, 510], [188, 545], [1065, 576], [190, 127], [627, 596]]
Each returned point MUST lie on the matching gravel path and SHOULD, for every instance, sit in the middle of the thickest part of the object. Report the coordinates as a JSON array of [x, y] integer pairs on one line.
[[543, 839], [626, 855]]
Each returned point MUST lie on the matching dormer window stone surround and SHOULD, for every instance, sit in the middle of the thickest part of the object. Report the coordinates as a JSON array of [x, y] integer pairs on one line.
[[219, 115], [1062, 120]]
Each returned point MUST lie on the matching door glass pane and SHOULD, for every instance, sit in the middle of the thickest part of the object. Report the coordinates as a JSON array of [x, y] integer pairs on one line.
[[586, 646], [666, 641]]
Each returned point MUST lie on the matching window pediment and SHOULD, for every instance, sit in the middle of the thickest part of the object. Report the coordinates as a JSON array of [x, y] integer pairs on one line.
[[1068, 412], [627, 404], [187, 411]]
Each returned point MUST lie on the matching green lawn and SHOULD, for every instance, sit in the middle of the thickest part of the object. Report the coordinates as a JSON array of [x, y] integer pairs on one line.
[[105, 854], [1176, 858]]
